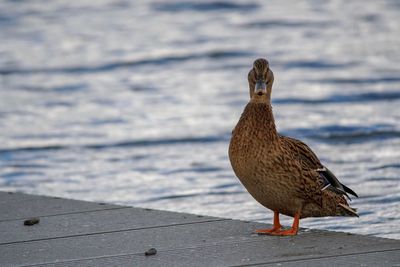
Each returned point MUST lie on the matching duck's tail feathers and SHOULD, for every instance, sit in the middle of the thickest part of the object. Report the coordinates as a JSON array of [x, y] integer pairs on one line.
[[348, 211]]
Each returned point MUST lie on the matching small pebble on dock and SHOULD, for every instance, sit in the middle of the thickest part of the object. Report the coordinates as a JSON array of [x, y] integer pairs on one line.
[[151, 252], [31, 221]]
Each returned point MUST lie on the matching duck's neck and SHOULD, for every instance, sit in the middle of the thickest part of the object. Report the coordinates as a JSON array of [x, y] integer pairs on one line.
[[260, 117]]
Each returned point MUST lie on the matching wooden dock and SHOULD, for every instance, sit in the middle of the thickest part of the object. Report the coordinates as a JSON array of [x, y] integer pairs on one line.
[[79, 233]]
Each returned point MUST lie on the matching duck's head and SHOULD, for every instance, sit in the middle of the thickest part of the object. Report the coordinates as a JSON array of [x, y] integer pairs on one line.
[[260, 80]]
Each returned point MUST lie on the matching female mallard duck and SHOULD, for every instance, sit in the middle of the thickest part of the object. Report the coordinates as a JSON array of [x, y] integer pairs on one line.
[[280, 172]]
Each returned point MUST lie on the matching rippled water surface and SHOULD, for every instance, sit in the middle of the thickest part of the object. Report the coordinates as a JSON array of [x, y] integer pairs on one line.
[[133, 102]]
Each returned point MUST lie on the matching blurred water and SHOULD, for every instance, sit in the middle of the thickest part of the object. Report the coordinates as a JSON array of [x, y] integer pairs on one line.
[[133, 102]]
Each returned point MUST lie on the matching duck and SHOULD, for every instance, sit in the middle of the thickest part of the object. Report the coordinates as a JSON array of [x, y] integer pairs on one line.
[[282, 173]]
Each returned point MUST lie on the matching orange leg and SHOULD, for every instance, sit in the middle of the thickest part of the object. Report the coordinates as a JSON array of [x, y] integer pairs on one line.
[[276, 228], [291, 231]]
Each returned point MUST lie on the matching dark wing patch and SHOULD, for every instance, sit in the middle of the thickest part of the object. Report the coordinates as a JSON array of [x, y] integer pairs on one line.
[[348, 190], [331, 182], [334, 184], [310, 161]]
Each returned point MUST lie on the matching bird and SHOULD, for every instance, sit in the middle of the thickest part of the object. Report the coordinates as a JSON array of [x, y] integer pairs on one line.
[[282, 173]]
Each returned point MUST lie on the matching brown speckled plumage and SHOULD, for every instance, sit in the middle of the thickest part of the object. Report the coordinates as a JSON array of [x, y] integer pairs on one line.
[[280, 172]]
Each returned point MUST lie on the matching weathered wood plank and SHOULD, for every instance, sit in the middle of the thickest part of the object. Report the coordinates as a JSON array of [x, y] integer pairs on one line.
[[384, 258], [88, 223], [126, 242], [228, 240], [19, 206], [78, 233], [165, 259]]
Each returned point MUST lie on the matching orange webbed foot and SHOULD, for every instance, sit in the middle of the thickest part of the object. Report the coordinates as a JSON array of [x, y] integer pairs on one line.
[[289, 232], [276, 228], [292, 231], [268, 231]]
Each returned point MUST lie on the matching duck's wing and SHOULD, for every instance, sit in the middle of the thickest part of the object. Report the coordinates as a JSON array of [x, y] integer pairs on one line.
[[309, 161], [302, 153]]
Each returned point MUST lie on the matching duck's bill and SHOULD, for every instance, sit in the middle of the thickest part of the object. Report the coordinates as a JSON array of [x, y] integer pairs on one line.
[[260, 88]]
